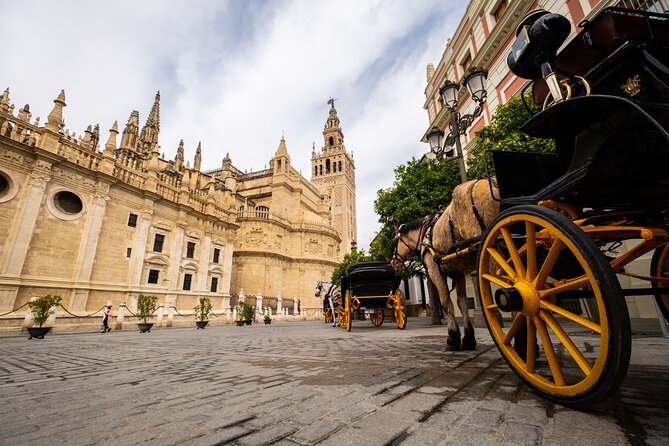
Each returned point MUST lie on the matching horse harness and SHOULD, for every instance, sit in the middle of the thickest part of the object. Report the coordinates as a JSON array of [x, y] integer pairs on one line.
[[457, 244]]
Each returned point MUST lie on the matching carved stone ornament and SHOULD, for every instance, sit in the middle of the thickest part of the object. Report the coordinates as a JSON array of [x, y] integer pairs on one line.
[[255, 236], [41, 174]]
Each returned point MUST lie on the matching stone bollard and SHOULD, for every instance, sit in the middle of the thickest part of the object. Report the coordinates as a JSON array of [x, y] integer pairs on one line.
[[258, 305], [226, 303], [120, 316], [159, 315], [170, 315], [28, 320], [296, 305], [279, 310], [234, 314]]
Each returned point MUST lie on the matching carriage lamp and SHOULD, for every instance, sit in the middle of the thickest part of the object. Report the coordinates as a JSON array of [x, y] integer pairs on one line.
[[448, 146]]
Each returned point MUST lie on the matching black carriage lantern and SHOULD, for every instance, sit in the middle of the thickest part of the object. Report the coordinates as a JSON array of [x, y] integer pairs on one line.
[[443, 146]]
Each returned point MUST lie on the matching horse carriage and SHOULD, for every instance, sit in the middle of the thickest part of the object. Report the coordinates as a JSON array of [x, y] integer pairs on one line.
[[570, 222], [373, 287]]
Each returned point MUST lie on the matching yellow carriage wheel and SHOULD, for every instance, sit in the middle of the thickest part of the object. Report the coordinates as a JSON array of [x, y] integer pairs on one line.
[[327, 315], [345, 313], [396, 302], [659, 267], [567, 333], [377, 317]]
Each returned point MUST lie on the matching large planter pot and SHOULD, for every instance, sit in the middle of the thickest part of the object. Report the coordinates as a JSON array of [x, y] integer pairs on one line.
[[240, 323], [38, 332], [268, 321], [144, 327], [201, 324], [248, 321]]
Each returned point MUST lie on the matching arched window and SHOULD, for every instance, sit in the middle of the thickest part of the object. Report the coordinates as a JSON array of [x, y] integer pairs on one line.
[[327, 166], [331, 141], [334, 166], [340, 166], [315, 170]]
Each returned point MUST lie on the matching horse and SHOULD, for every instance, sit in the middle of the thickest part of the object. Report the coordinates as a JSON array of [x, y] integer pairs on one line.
[[331, 295], [472, 208]]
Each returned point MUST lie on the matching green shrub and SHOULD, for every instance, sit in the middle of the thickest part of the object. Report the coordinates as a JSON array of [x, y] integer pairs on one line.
[[245, 311], [41, 306], [202, 309], [146, 305]]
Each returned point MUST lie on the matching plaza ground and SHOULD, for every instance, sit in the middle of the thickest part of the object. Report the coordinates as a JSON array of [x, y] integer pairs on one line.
[[304, 383]]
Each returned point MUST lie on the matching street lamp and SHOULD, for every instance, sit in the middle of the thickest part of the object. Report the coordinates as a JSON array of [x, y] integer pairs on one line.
[[442, 146]]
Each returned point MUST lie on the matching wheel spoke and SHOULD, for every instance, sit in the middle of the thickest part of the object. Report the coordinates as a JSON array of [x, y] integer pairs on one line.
[[565, 285], [515, 257], [566, 341], [548, 264], [531, 250], [531, 345], [502, 262], [550, 352], [545, 305], [496, 280], [515, 326]]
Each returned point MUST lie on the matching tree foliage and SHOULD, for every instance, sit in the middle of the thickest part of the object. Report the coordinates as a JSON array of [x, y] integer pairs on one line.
[[350, 259], [418, 190], [380, 248], [504, 133]]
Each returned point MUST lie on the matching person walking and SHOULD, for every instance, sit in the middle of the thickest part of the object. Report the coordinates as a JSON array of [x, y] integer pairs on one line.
[[106, 319]]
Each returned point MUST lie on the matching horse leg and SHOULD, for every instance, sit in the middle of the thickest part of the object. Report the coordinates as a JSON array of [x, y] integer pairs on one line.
[[468, 341], [439, 280], [334, 316], [435, 305]]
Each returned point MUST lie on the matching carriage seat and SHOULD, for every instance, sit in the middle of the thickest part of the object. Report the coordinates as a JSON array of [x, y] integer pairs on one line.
[[370, 278]]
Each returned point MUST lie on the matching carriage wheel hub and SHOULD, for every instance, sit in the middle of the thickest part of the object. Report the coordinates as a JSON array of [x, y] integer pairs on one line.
[[523, 297]]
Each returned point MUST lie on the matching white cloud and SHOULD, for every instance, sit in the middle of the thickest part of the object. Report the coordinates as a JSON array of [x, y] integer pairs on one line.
[[236, 74]]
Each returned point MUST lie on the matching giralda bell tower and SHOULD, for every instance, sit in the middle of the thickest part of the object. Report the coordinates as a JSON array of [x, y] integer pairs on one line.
[[333, 172]]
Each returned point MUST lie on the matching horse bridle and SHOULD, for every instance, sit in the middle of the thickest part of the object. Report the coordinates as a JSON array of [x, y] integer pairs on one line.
[[412, 251]]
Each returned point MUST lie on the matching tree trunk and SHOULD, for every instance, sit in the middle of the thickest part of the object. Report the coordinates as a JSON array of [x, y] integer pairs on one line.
[[435, 305]]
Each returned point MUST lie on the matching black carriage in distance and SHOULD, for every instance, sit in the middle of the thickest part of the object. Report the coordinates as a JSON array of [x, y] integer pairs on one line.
[[572, 221], [371, 286]]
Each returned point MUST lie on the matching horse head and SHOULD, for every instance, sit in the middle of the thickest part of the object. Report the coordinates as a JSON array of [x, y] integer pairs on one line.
[[319, 288], [408, 242]]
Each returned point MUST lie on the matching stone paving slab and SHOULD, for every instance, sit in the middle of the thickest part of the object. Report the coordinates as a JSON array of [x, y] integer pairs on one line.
[[304, 383]]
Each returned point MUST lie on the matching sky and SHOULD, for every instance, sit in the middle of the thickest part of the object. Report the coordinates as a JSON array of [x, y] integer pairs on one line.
[[238, 75]]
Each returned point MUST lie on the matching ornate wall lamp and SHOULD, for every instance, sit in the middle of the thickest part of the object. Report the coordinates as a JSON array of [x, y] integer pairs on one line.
[[441, 146]]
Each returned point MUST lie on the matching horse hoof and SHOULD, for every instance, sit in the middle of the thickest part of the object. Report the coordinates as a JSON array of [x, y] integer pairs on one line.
[[453, 345], [467, 346]]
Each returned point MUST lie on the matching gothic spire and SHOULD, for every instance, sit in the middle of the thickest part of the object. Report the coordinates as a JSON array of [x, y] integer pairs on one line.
[[129, 137], [149, 135], [55, 119], [179, 159], [198, 157]]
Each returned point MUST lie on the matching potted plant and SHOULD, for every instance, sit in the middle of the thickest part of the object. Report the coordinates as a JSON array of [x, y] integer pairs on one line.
[[202, 310], [146, 305], [245, 313], [40, 308], [267, 318]]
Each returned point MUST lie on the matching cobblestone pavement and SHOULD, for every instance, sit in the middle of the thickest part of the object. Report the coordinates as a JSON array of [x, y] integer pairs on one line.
[[303, 383]]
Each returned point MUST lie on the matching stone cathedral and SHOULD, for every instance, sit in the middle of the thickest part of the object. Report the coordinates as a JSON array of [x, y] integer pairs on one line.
[[99, 222]]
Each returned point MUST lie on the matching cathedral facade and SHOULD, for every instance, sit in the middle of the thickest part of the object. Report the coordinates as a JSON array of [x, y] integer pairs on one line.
[[98, 223]]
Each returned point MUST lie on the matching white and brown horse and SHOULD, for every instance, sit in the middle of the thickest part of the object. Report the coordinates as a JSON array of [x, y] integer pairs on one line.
[[331, 295], [471, 210]]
